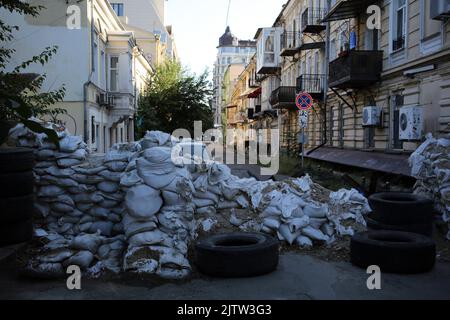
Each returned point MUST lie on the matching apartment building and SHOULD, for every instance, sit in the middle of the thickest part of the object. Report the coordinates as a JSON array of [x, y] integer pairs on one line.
[[376, 91], [146, 19], [99, 61], [231, 50]]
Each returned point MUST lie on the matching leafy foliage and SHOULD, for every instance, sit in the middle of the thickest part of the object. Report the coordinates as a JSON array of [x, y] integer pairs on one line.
[[20, 96], [174, 99]]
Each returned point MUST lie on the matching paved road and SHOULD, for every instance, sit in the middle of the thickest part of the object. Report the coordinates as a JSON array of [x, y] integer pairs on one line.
[[298, 277]]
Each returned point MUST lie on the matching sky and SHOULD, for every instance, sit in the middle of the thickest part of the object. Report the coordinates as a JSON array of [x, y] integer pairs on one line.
[[198, 24]]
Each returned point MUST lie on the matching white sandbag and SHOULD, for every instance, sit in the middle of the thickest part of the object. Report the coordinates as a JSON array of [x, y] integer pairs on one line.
[[172, 274], [207, 211], [85, 207], [201, 183], [57, 256], [286, 234], [227, 205], [134, 226], [271, 211], [130, 179], [61, 207], [116, 166], [89, 170], [102, 227], [156, 138], [304, 242], [314, 234], [317, 223], [272, 223], [89, 242], [297, 224], [82, 259], [115, 155], [108, 204], [110, 176], [87, 179], [200, 203], [60, 173], [207, 196], [99, 212], [44, 164], [218, 173], [143, 202], [87, 198], [45, 154], [50, 191], [70, 143], [172, 198], [208, 224], [67, 163], [327, 229], [108, 187], [154, 175], [42, 209], [155, 237], [79, 154], [314, 211]]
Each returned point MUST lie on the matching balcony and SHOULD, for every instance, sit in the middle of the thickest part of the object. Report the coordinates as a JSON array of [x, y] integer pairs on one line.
[[348, 9], [283, 98], [312, 20], [356, 69], [312, 84], [290, 43], [268, 51], [253, 82]]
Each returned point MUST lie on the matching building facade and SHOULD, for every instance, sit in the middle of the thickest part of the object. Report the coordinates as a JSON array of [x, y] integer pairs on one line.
[[99, 62], [376, 91], [231, 50]]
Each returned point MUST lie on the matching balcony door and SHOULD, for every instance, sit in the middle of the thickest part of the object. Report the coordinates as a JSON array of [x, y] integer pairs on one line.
[[397, 101]]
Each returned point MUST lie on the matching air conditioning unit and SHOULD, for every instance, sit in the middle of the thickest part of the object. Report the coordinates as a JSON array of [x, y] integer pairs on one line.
[[440, 9], [372, 116], [411, 123]]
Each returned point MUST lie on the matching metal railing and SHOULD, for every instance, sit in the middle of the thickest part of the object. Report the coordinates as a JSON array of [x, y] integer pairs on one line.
[[283, 95], [291, 40], [311, 83], [312, 17], [356, 68]]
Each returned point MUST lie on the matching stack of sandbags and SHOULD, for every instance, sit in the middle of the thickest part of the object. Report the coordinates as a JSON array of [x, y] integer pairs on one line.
[[93, 253], [159, 218], [430, 165]]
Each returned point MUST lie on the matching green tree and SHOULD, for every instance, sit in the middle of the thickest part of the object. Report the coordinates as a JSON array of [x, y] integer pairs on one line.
[[20, 96], [174, 99]]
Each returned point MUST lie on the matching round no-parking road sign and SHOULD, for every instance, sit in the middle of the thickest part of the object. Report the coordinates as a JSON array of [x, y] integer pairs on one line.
[[304, 101]]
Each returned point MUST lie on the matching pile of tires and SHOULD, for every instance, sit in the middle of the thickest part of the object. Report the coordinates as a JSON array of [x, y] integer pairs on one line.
[[404, 212], [16, 195]]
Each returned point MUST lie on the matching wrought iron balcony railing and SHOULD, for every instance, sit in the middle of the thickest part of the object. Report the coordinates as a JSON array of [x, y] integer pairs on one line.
[[290, 42], [356, 69], [283, 97], [312, 20], [312, 84]]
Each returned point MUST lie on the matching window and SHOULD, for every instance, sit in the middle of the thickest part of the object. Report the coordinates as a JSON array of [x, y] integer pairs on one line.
[[118, 8], [269, 49], [399, 25], [113, 73], [93, 135], [397, 103]]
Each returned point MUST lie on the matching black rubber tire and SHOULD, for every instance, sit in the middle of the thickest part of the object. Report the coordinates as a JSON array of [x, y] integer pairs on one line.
[[16, 209], [236, 255], [425, 229], [393, 251], [16, 160], [15, 233], [401, 208], [16, 184]]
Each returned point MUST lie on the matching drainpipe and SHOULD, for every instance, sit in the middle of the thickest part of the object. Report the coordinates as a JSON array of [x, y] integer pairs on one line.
[[325, 83], [87, 83]]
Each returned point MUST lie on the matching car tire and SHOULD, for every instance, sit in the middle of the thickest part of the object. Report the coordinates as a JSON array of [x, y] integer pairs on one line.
[[16, 184], [16, 209], [425, 229], [15, 233], [401, 208], [16, 160], [393, 251], [237, 255]]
